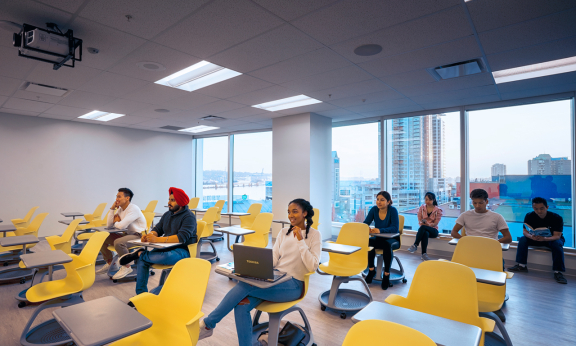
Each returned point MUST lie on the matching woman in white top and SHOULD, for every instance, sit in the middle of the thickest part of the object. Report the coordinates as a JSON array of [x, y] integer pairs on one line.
[[296, 252]]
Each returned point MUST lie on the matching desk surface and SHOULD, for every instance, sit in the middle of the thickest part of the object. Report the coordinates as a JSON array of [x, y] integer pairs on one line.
[[105, 229], [199, 209], [1, 220], [18, 240], [100, 321], [489, 276], [385, 235], [45, 258], [505, 247], [72, 214], [234, 230], [7, 228], [158, 214], [253, 282], [235, 214], [339, 248], [67, 222], [441, 330]]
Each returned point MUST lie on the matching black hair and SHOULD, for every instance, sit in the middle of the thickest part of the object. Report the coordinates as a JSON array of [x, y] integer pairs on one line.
[[127, 192], [537, 200], [479, 193], [386, 195], [431, 197], [307, 207]]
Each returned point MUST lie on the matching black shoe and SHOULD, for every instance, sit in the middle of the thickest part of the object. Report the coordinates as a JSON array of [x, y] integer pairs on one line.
[[370, 276], [129, 257], [518, 269], [560, 278], [130, 304], [385, 282]]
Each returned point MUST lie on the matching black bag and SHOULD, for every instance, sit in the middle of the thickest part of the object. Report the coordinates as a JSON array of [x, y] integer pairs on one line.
[[291, 335]]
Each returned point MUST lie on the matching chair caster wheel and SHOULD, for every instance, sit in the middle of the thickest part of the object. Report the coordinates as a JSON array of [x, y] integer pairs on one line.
[[217, 259], [114, 281], [22, 281], [343, 316], [404, 281], [152, 272], [322, 307], [21, 305]]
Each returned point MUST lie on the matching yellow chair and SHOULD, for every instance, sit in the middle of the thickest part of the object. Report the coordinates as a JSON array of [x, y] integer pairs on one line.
[[276, 311], [24, 222], [316, 218], [261, 226], [460, 305], [193, 204], [346, 268], [97, 214], [150, 207], [247, 220], [86, 232], [395, 274], [64, 242], [364, 333], [485, 253], [175, 313], [80, 275], [218, 236], [31, 229], [209, 217]]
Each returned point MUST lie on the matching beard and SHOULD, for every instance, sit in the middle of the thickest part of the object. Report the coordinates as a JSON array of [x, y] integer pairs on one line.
[[174, 209]]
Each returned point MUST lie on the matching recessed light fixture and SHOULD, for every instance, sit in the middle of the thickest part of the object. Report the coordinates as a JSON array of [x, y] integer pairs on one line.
[[536, 70], [199, 128], [368, 50], [289, 102], [150, 66], [101, 116], [198, 76]]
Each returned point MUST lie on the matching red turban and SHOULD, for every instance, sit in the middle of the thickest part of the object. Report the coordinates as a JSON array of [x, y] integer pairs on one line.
[[180, 196]]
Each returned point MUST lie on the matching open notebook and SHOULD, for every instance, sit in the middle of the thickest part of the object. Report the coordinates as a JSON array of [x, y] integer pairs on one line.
[[154, 245]]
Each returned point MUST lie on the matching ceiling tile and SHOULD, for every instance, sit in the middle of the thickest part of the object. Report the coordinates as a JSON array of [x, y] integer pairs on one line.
[[234, 86], [304, 65], [378, 106], [289, 10], [337, 113], [28, 95], [26, 105], [262, 117], [467, 101], [19, 112], [448, 85], [15, 66], [65, 77], [218, 107], [367, 98], [65, 5], [189, 101], [350, 90], [3, 99], [455, 94], [546, 90], [271, 47], [446, 25], [242, 112], [150, 112], [272, 93], [392, 111], [438, 55], [318, 107], [155, 93], [56, 116], [128, 119], [82, 99], [218, 26], [123, 106], [113, 84], [408, 78], [66, 112], [9, 85], [149, 17], [347, 75], [351, 18]]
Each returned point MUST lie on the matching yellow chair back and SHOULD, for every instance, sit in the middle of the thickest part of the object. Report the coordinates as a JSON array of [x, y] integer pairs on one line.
[[401, 226], [272, 307], [362, 333], [24, 222], [355, 234], [261, 226], [209, 217], [97, 214], [151, 206], [64, 242], [316, 218], [149, 216], [460, 305], [247, 220], [193, 204], [220, 205], [32, 229]]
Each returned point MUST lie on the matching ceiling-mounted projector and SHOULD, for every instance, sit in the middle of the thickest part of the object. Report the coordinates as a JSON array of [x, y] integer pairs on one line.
[[51, 46]]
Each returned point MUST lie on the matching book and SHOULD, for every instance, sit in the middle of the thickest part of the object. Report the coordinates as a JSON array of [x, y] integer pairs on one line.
[[538, 232], [227, 267]]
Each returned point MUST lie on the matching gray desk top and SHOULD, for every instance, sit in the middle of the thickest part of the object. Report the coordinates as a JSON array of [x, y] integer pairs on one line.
[[105, 229], [235, 214], [158, 214], [18, 240], [281, 221], [100, 321], [199, 209], [67, 222], [385, 235], [45, 259], [72, 214], [257, 283], [340, 248], [505, 247], [235, 230], [7, 228], [441, 330], [489, 276]]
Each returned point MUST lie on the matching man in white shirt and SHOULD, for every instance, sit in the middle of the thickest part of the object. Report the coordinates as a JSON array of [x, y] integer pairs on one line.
[[126, 216], [480, 221]]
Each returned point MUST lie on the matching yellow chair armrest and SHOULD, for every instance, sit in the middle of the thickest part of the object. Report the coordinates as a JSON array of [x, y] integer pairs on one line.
[[54, 240], [88, 217], [21, 264], [17, 221], [509, 275], [329, 241], [487, 325], [370, 248], [193, 327], [395, 300], [146, 303]]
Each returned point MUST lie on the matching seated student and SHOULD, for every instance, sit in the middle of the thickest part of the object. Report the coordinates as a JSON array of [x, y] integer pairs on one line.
[[296, 252], [385, 218], [429, 216], [541, 217], [125, 215], [480, 221], [177, 225]]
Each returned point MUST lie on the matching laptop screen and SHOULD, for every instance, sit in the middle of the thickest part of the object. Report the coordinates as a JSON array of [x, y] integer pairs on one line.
[[253, 261]]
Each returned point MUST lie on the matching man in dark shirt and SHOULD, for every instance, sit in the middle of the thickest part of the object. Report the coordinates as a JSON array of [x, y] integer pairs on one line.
[[541, 217], [178, 225]]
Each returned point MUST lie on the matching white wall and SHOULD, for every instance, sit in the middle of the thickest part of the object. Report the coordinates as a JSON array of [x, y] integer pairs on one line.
[[320, 170], [71, 166]]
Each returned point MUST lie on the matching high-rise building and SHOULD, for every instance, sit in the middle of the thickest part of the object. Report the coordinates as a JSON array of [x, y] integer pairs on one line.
[[336, 176], [561, 166], [544, 164], [498, 169]]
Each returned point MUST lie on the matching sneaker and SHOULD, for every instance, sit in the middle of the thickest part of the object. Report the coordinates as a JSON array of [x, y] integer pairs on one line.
[[204, 331], [412, 248], [104, 269], [518, 269], [122, 273], [560, 278], [129, 257], [425, 257]]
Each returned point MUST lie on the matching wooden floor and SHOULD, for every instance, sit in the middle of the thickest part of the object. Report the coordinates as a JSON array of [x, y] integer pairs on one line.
[[540, 311]]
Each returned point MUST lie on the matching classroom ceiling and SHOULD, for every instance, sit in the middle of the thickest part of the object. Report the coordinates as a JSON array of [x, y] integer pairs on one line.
[[283, 48]]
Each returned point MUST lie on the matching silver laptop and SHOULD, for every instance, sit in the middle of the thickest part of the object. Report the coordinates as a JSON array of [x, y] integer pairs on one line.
[[255, 263]]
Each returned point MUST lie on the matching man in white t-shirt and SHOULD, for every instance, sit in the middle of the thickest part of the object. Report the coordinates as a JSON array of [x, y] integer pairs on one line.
[[480, 221]]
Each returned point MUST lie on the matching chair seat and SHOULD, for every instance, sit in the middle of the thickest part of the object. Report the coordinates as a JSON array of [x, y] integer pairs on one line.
[[488, 306], [272, 307], [9, 234], [50, 290], [395, 246], [161, 266], [338, 270], [85, 236]]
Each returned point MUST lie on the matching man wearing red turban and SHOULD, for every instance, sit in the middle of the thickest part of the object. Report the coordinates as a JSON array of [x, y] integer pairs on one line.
[[177, 225]]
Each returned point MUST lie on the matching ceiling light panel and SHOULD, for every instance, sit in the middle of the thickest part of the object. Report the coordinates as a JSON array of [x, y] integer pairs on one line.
[[536, 70], [289, 102], [198, 76], [199, 128], [101, 116]]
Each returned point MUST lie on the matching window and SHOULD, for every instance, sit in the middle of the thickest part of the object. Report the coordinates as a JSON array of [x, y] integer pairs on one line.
[[212, 171], [356, 170], [252, 171], [517, 153], [423, 155]]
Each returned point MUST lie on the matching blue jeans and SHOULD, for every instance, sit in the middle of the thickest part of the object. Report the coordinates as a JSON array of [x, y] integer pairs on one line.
[[557, 247], [147, 258], [284, 292]]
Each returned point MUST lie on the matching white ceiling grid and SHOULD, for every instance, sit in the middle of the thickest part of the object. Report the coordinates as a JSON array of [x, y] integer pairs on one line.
[[283, 48]]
